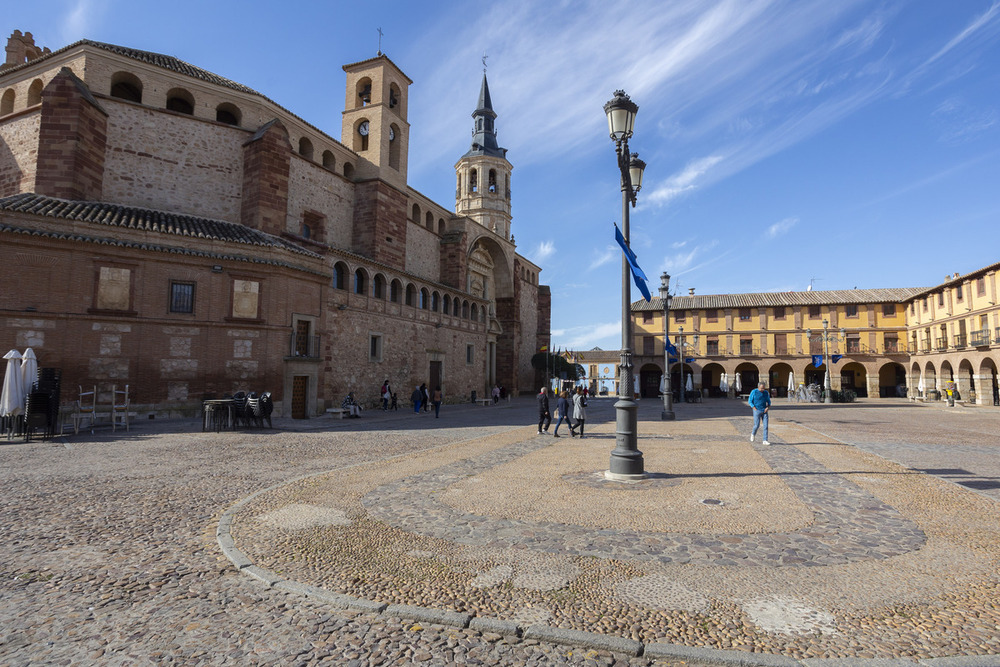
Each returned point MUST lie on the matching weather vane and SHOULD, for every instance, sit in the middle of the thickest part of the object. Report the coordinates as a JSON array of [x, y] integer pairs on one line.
[[380, 40], [484, 61]]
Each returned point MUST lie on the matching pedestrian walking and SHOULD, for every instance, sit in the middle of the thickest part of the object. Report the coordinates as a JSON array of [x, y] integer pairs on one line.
[[760, 401], [427, 398], [544, 416], [436, 399], [395, 402], [417, 397], [579, 412], [386, 395], [496, 394], [562, 407]]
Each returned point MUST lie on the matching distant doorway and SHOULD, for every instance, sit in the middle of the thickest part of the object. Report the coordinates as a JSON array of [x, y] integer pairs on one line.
[[300, 390], [435, 376]]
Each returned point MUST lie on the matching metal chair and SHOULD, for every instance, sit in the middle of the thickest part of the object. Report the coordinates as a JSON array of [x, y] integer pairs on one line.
[[119, 407], [86, 408]]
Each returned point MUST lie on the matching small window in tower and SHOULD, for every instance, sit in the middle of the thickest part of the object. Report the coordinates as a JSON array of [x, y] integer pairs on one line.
[[493, 181], [393, 96], [181, 101], [365, 91], [473, 181]]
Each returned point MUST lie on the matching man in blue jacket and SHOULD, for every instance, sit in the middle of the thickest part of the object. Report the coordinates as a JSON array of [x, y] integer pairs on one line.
[[760, 401]]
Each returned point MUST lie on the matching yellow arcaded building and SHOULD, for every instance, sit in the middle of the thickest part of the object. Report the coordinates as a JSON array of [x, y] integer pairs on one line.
[[879, 342]]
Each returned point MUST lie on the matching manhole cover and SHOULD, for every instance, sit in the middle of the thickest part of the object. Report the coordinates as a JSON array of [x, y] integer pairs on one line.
[[711, 501]]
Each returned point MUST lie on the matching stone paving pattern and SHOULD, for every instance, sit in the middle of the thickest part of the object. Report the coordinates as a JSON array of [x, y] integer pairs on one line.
[[109, 553]]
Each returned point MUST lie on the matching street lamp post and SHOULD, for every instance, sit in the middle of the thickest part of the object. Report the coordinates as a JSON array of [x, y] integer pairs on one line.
[[626, 459], [826, 337], [668, 398]]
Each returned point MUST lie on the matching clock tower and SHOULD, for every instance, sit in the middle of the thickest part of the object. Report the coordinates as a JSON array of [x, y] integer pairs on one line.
[[374, 121], [483, 173]]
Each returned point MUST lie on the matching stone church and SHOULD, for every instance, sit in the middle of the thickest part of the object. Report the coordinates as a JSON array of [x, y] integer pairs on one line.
[[164, 227]]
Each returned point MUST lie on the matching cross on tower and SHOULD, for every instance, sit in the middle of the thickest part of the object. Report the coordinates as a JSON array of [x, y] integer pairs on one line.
[[380, 40], [484, 61]]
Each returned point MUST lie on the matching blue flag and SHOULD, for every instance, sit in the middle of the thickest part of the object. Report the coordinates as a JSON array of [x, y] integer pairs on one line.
[[671, 348], [817, 360], [836, 357], [637, 275]]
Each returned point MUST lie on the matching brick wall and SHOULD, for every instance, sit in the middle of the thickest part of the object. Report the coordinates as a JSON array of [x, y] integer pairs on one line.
[[454, 256], [380, 225], [266, 165], [71, 141], [165, 160], [313, 188], [18, 153], [423, 252]]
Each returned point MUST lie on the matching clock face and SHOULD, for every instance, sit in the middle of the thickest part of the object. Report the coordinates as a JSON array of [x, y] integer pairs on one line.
[[392, 134], [363, 128]]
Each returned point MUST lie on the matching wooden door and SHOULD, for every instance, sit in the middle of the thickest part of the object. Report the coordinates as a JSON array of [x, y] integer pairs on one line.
[[300, 392]]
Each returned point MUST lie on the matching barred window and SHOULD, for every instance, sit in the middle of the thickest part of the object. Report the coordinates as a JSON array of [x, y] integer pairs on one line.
[[181, 297]]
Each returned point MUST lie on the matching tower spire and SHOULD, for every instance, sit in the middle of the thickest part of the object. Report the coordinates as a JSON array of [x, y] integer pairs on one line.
[[484, 135]]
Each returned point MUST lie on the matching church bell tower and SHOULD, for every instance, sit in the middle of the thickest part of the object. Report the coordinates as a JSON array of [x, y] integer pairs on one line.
[[483, 173]]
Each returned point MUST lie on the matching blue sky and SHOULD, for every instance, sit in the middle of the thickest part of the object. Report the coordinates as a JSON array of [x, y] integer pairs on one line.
[[850, 144]]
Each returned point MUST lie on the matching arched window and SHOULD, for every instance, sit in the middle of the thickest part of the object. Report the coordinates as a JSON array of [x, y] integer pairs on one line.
[[411, 295], [306, 148], [465, 309], [482, 314], [361, 130], [423, 299], [394, 96], [329, 161], [35, 93], [435, 301], [475, 313], [181, 101], [416, 213], [506, 179], [429, 221], [359, 282], [7, 102], [378, 286], [441, 226], [228, 113], [340, 275], [394, 143], [126, 86], [395, 287], [493, 181], [364, 89], [447, 305], [473, 181], [457, 310], [349, 171]]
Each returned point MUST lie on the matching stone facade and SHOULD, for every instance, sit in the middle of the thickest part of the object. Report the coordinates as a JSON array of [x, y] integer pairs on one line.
[[184, 234]]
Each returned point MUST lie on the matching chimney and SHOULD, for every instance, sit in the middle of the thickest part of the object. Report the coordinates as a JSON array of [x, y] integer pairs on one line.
[[690, 291]]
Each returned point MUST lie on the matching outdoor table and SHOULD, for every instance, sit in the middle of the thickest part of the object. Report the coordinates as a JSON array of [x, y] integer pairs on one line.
[[218, 414]]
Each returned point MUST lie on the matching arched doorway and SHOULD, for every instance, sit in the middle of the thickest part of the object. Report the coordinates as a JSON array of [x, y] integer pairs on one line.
[[778, 379], [649, 381], [987, 385], [892, 381], [749, 377], [966, 382], [915, 381], [814, 375], [711, 379], [931, 382], [854, 377]]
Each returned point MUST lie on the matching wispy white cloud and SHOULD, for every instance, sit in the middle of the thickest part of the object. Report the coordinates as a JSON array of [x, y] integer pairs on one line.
[[606, 335], [781, 227], [78, 23], [681, 182], [544, 250], [970, 30], [606, 256], [961, 122]]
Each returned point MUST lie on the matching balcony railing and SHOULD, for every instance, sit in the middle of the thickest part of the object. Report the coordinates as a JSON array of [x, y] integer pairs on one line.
[[306, 347], [941, 344], [960, 340], [979, 338]]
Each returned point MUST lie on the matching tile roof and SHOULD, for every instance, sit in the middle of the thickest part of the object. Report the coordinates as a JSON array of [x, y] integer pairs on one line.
[[144, 219], [770, 299]]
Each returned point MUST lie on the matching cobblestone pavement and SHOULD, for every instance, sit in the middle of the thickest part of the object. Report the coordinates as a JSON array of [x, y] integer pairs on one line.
[[806, 549]]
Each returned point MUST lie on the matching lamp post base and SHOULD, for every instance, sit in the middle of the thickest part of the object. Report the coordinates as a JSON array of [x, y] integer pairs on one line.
[[615, 477], [667, 415], [626, 459]]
